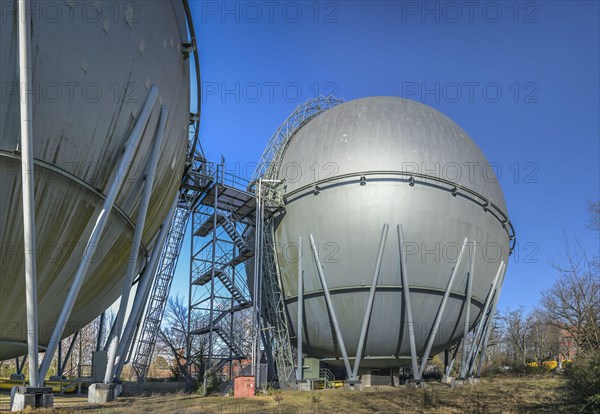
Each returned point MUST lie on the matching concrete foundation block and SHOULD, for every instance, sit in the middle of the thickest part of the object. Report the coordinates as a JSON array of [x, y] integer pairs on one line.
[[118, 389], [354, 385], [412, 384], [446, 379], [457, 383], [101, 393], [22, 398], [303, 386]]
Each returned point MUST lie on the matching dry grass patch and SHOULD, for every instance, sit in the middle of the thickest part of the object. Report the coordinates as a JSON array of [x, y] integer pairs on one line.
[[493, 395]]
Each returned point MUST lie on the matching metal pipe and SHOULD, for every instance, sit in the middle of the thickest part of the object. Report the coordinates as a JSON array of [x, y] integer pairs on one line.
[[440, 311], [463, 364], [144, 287], [408, 307], [299, 329], [338, 332], [132, 263], [90, 248], [28, 190], [476, 339], [367, 318]]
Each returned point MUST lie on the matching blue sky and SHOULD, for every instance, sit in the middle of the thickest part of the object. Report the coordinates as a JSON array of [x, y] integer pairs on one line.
[[521, 78]]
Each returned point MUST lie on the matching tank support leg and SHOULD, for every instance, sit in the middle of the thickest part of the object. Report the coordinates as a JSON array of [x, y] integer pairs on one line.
[[118, 179], [28, 189], [451, 364], [486, 335], [407, 305], [440, 312], [100, 331], [132, 264], [336, 326], [470, 275], [484, 317], [143, 290], [20, 365], [300, 368], [69, 352], [367, 319]]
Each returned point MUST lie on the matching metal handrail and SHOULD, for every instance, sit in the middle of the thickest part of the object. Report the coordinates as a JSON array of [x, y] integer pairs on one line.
[[455, 187]]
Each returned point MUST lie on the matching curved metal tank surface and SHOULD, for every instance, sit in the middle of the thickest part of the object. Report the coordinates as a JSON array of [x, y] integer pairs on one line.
[[92, 71], [346, 218]]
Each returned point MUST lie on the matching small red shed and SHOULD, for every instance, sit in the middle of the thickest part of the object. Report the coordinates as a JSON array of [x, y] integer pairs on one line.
[[243, 386]]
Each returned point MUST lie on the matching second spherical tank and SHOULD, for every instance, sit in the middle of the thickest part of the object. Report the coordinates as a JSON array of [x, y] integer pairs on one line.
[[346, 174], [93, 66]]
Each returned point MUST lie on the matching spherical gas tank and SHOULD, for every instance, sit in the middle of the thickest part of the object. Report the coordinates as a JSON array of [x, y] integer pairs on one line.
[[376, 161], [93, 65]]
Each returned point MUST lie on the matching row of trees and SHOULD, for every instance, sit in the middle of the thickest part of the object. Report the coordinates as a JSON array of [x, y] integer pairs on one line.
[[567, 318], [564, 326]]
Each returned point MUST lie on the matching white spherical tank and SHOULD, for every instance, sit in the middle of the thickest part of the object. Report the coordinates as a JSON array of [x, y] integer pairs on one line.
[[376, 161], [94, 64]]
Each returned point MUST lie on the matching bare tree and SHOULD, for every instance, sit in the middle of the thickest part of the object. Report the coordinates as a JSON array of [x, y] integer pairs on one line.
[[545, 338], [573, 302], [516, 327], [174, 340]]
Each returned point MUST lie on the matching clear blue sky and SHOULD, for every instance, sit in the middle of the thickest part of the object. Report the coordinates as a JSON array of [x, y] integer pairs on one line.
[[521, 78]]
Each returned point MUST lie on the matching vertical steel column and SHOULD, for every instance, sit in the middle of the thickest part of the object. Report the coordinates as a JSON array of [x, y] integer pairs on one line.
[[212, 278], [367, 318], [446, 362], [463, 364], [338, 332], [100, 332], [59, 359], [28, 191], [90, 248], [188, 350], [440, 311], [299, 328], [407, 305], [149, 176], [478, 332], [143, 290], [256, 286], [259, 306]]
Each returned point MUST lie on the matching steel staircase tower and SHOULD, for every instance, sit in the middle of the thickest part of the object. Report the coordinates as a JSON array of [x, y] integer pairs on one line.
[[218, 290]]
